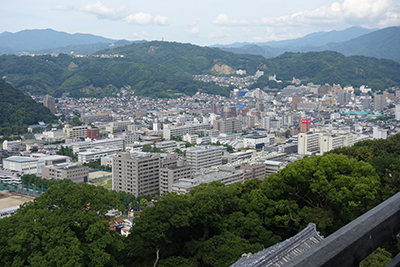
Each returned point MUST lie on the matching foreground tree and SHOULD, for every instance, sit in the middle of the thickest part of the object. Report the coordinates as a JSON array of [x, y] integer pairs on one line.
[[330, 191], [66, 226]]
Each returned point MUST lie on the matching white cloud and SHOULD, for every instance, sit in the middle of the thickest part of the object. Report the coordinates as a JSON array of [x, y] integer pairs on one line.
[[159, 20], [146, 19], [367, 13], [223, 19], [140, 19], [194, 31], [103, 12]]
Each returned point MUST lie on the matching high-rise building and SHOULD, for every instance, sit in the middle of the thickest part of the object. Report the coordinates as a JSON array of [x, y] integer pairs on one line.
[[260, 106], [229, 112], [379, 102], [50, 103], [397, 113], [308, 144], [227, 125], [215, 108], [172, 169], [366, 102], [251, 121], [305, 125], [266, 123], [295, 100], [136, 174], [204, 157], [343, 97]]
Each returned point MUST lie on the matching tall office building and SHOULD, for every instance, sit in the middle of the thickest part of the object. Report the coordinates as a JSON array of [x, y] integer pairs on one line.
[[366, 102], [136, 174], [295, 100], [215, 108], [379, 102], [343, 97], [50, 103], [229, 112], [172, 169], [397, 113], [266, 123], [227, 125], [305, 125], [204, 157]]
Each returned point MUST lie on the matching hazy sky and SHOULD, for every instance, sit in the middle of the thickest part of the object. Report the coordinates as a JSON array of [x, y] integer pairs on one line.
[[201, 22]]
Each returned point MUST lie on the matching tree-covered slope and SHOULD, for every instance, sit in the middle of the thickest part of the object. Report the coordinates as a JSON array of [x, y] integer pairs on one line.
[[151, 69], [381, 44], [332, 67], [161, 69], [17, 110]]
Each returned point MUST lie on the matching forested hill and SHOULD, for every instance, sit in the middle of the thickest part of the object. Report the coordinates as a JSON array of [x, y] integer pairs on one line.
[[17, 110], [333, 67], [151, 69], [161, 69]]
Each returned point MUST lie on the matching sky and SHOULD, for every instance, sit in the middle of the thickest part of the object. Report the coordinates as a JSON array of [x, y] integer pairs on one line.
[[201, 22]]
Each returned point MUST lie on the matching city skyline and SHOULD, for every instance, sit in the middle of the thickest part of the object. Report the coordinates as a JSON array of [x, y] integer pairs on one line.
[[201, 23]]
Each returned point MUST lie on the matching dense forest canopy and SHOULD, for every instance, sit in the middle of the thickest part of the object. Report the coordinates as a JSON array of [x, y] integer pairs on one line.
[[17, 111], [161, 69]]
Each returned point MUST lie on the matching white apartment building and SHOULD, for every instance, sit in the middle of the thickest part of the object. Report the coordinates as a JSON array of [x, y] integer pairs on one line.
[[397, 113], [320, 142], [257, 141], [83, 146], [204, 157], [11, 145], [168, 133], [191, 138], [308, 143], [379, 133], [169, 146], [95, 154], [266, 123]]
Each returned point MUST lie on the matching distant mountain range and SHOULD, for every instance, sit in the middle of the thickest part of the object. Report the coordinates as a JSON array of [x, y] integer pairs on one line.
[[163, 69], [50, 41], [382, 43]]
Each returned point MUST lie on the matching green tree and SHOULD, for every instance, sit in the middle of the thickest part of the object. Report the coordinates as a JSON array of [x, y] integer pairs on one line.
[[334, 186], [66, 226], [144, 203], [379, 258]]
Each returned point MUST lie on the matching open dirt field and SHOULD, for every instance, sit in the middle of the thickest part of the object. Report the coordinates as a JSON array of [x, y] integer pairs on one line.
[[99, 174], [8, 200]]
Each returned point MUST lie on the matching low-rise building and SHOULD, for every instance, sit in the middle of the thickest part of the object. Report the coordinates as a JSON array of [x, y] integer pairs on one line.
[[95, 154], [184, 185], [26, 165], [70, 131], [75, 172]]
